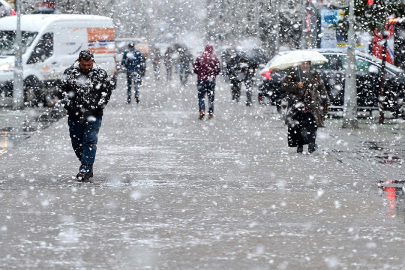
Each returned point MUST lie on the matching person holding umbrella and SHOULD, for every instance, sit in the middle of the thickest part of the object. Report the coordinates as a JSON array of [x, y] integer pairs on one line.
[[168, 61], [310, 104]]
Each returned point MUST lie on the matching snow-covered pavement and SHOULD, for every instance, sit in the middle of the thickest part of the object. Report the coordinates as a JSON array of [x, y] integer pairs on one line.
[[173, 192]]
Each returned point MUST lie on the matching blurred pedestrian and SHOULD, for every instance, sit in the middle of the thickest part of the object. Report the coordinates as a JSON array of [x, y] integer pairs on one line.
[[310, 103], [226, 57], [207, 67], [168, 61], [185, 59], [156, 62], [241, 70], [134, 63], [142, 68], [86, 90]]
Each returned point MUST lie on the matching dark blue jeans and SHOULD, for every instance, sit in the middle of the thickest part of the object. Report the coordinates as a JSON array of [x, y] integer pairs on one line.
[[236, 86], [84, 137], [169, 71], [184, 71], [206, 88], [136, 79]]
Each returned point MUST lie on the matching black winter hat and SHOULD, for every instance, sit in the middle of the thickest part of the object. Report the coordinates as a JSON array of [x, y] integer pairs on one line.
[[86, 55]]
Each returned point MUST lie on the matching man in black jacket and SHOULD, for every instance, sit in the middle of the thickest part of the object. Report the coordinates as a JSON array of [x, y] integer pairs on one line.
[[86, 90], [241, 69]]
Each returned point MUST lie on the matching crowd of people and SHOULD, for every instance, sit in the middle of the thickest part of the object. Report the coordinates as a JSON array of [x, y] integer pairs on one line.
[[238, 67], [308, 97], [178, 57], [87, 89]]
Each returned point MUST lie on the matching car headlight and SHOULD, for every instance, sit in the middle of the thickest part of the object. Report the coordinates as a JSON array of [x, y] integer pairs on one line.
[[6, 67]]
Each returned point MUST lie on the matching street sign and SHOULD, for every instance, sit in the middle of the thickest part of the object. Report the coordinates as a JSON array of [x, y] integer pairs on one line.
[[337, 3], [45, 5]]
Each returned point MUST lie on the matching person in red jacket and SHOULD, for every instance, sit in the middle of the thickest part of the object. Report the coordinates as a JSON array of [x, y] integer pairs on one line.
[[207, 67]]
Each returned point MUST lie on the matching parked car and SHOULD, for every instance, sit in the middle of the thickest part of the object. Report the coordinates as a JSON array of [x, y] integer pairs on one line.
[[50, 44], [333, 73]]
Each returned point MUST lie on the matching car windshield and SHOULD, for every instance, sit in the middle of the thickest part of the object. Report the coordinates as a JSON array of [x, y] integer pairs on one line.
[[378, 61], [7, 39], [364, 63], [339, 62], [334, 62]]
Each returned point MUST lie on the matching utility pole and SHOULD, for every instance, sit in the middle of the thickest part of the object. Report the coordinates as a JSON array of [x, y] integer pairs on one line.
[[382, 97], [350, 101], [18, 88], [382, 84], [311, 26], [112, 14], [314, 24], [303, 33], [278, 26]]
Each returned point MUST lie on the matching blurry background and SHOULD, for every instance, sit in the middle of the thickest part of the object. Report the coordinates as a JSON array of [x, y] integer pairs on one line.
[[253, 23]]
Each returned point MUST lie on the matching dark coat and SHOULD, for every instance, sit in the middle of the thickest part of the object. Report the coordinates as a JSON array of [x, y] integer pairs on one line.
[[241, 68], [315, 90], [168, 58], [133, 61], [85, 95], [185, 57], [156, 57], [207, 65]]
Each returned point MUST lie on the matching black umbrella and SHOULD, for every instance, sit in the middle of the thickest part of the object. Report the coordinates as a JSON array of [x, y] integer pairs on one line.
[[254, 57]]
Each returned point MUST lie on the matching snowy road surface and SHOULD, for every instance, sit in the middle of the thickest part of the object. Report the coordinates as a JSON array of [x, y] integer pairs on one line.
[[173, 192]]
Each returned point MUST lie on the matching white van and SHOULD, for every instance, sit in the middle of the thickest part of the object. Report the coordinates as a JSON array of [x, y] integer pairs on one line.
[[51, 43]]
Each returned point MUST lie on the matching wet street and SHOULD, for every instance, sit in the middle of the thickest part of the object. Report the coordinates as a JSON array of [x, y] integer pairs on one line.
[[17, 126], [173, 192]]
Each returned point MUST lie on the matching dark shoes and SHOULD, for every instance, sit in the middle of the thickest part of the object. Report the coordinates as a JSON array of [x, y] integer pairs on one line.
[[235, 98], [201, 116], [84, 177], [312, 147], [136, 100]]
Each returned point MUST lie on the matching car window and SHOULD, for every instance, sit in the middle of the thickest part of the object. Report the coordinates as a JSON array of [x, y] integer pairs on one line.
[[334, 63], [374, 69], [363, 65], [43, 50], [7, 40], [377, 61], [322, 66]]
